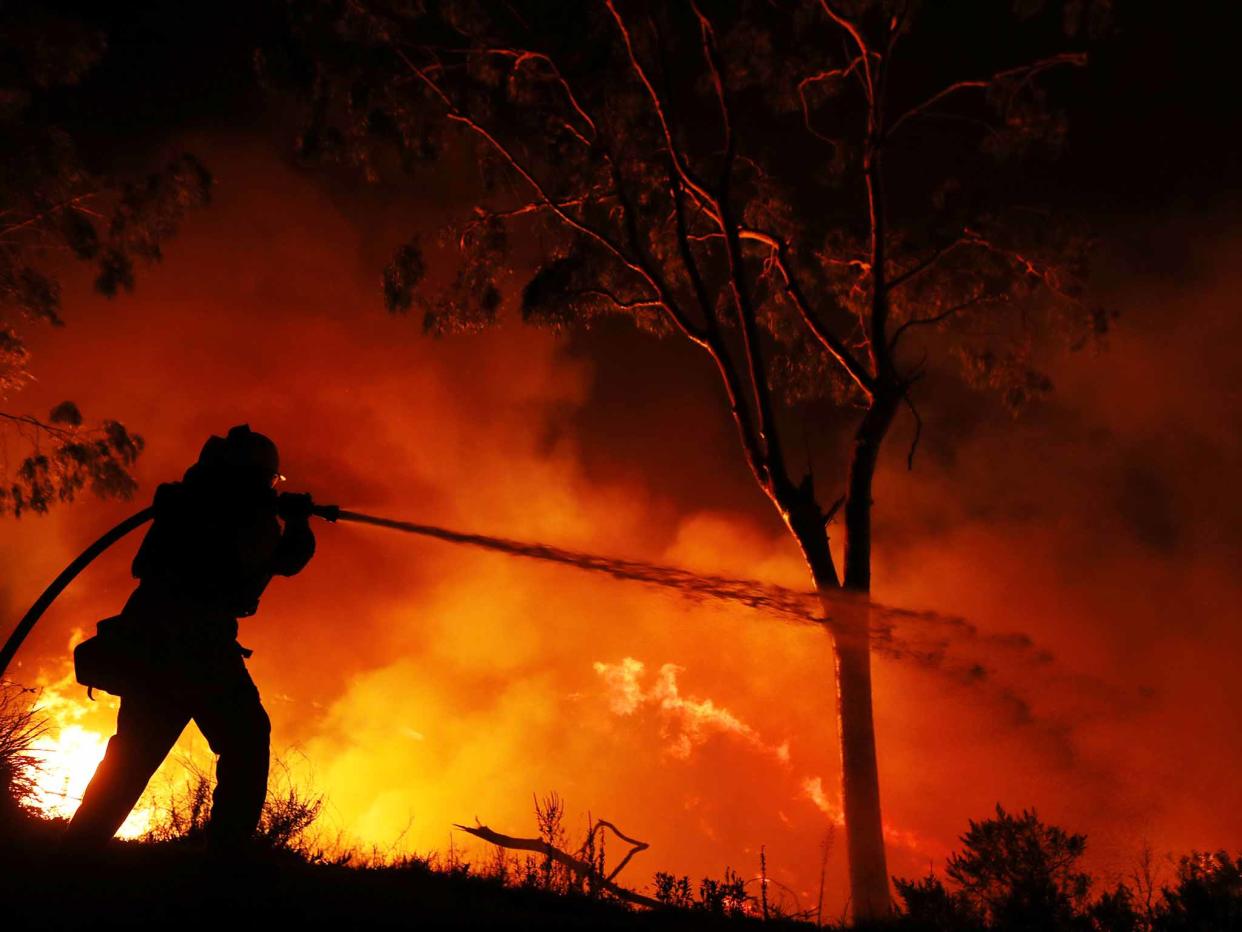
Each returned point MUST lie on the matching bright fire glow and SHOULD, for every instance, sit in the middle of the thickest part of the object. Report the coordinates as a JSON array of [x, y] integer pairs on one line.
[[67, 758], [426, 685]]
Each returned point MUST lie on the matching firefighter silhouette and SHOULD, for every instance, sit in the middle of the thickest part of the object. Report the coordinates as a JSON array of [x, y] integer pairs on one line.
[[215, 543]]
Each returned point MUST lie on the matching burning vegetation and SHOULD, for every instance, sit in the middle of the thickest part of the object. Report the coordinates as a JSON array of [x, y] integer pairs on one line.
[[761, 316], [1012, 872]]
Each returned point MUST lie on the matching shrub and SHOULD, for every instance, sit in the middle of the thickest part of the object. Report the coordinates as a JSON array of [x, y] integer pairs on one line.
[[1019, 873], [1013, 873], [1207, 895], [929, 907], [20, 728], [284, 825], [673, 891]]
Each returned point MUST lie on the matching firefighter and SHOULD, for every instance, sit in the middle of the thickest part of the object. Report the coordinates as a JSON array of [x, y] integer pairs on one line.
[[215, 543]]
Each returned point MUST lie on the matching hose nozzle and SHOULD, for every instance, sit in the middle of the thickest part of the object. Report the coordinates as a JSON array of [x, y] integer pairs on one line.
[[327, 512]]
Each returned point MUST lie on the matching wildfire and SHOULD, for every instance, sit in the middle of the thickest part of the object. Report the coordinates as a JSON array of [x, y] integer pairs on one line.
[[67, 754], [66, 762]]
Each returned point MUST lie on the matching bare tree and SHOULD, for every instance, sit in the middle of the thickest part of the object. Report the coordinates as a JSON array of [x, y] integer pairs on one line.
[[825, 198]]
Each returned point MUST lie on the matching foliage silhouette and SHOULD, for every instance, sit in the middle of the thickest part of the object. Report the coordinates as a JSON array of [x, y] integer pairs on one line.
[[1016, 870], [1207, 894], [288, 817], [56, 209], [21, 727], [1017, 874]]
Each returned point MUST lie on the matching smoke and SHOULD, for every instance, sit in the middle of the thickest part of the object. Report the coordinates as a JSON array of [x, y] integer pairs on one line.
[[1055, 596]]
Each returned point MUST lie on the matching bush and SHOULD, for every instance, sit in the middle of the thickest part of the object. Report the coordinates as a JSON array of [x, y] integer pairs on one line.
[[20, 728], [1207, 896], [1014, 872], [725, 897], [929, 907], [284, 825]]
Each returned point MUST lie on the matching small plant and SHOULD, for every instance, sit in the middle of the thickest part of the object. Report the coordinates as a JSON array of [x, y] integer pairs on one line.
[[930, 907], [530, 873], [288, 814], [673, 891], [284, 824], [593, 853], [500, 869], [21, 727], [550, 816], [727, 897]]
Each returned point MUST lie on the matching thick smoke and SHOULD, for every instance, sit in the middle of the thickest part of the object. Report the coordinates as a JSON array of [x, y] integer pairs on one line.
[[1072, 571]]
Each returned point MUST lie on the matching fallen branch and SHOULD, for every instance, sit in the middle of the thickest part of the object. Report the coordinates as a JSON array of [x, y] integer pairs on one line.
[[577, 865]]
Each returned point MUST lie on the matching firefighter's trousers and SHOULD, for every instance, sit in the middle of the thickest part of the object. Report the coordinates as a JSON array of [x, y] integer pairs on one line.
[[223, 701]]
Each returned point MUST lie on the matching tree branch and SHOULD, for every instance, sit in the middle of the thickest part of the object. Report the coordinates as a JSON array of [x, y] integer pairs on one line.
[[695, 334], [712, 55], [456, 115], [756, 455], [683, 170], [926, 263], [769, 438], [27, 420], [839, 351], [577, 865], [521, 56], [1077, 59], [635, 845], [936, 318], [833, 509], [864, 50], [73, 203], [616, 301], [918, 427], [815, 79]]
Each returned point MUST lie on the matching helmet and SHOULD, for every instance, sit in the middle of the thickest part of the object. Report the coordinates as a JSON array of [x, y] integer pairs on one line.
[[242, 452]]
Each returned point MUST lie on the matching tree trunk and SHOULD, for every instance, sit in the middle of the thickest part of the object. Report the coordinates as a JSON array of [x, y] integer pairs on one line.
[[860, 783], [860, 778], [851, 629]]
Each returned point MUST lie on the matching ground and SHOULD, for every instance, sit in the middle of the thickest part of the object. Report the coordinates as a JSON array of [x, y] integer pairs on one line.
[[177, 882]]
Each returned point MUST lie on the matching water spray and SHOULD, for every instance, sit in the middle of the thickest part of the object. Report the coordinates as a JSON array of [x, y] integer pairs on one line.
[[790, 605]]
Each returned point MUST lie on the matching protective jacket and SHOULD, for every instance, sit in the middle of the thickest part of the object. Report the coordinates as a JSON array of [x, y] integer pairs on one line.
[[210, 552]]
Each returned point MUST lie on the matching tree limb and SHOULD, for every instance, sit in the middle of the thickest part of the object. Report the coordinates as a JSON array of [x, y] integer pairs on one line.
[[456, 115], [926, 263], [27, 420], [699, 189], [1077, 59], [936, 318], [839, 351], [577, 865], [918, 427]]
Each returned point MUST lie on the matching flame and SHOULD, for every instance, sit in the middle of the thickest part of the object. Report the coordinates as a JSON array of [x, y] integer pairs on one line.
[[67, 757], [428, 684], [75, 737]]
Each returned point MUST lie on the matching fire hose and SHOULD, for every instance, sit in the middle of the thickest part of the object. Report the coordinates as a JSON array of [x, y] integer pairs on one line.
[[789, 604], [87, 556]]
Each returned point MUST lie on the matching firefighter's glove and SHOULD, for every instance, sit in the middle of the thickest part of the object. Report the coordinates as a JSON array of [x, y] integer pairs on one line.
[[294, 506]]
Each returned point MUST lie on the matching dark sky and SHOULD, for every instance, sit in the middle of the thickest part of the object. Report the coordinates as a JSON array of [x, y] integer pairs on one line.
[[1155, 125]]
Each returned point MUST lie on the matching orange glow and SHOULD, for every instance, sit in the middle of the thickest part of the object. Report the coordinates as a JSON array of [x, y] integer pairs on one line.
[[423, 684], [67, 754]]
